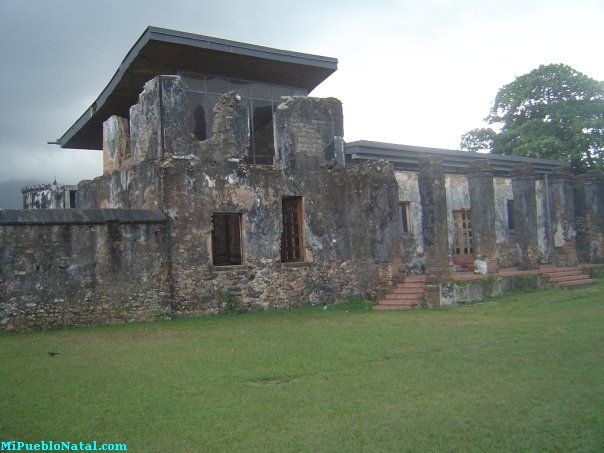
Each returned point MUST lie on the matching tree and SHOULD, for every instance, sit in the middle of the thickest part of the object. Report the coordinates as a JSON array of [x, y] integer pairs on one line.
[[553, 112]]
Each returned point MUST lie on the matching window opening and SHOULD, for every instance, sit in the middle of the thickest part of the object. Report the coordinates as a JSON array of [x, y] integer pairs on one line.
[[292, 237], [226, 239], [404, 215], [462, 238], [72, 198], [511, 214]]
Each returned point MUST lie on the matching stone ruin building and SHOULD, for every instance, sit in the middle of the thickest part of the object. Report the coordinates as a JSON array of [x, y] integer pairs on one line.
[[225, 186], [49, 196]]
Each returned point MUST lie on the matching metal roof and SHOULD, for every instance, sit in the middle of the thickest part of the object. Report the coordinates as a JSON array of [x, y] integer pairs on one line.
[[406, 157], [161, 51]]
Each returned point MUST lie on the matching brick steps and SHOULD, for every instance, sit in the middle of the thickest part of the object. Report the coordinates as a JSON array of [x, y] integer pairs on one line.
[[566, 277], [404, 296]]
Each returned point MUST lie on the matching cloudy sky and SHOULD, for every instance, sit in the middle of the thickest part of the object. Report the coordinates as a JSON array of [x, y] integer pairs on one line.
[[414, 72]]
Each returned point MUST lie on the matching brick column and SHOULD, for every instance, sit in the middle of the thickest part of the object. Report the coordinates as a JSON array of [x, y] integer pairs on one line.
[[525, 216], [433, 199], [564, 230], [482, 214], [589, 216]]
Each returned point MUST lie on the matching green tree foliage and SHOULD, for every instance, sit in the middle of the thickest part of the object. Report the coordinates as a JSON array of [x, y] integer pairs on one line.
[[553, 112], [478, 140]]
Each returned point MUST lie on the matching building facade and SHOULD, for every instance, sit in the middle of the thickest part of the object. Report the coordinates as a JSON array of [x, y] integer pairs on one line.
[[225, 187]]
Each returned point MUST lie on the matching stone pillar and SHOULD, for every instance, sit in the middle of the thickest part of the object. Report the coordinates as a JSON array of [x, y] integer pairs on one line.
[[431, 181], [482, 214], [564, 230], [309, 133], [525, 216], [116, 143], [589, 216]]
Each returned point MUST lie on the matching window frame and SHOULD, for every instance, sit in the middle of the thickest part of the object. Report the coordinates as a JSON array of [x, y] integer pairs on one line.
[[213, 240], [288, 252]]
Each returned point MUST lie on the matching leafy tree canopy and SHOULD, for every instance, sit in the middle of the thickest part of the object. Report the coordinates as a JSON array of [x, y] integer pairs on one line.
[[553, 112]]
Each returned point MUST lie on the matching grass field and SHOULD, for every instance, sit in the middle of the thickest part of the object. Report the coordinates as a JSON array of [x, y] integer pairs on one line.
[[518, 373]]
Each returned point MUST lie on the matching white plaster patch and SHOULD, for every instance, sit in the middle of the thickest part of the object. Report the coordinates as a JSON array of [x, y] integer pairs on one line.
[[480, 267], [209, 182], [232, 179], [184, 157]]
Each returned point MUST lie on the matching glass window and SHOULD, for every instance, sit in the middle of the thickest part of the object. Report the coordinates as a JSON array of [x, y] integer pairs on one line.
[[240, 86], [217, 85], [195, 82], [263, 143], [212, 100], [198, 116], [279, 91], [261, 91], [299, 92]]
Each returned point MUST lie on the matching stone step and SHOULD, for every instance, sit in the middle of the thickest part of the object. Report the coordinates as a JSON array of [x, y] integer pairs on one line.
[[577, 283], [549, 270], [412, 303], [567, 278], [415, 278], [393, 296], [392, 307], [414, 285], [562, 273], [403, 290]]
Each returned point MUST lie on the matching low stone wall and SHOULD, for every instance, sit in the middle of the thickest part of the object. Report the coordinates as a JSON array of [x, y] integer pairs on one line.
[[455, 292], [81, 267]]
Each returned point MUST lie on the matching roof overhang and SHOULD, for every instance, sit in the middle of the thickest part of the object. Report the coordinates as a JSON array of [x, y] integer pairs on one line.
[[406, 157], [160, 51]]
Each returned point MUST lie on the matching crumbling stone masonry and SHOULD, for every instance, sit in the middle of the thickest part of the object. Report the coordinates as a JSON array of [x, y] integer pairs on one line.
[[525, 216], [81, 267], [350, 221], [564, 230], [431, 182], [482, 199], [225, 187], [589, 216]]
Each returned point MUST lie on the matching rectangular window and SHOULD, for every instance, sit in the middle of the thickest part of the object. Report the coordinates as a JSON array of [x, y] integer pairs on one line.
[[511, 214], [292, 237], [263, 143], [72, 198], [404, 215], [226, 239], [462, 238]]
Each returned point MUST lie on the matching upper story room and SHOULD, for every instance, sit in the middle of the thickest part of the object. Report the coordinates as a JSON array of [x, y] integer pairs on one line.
[[209, 67]]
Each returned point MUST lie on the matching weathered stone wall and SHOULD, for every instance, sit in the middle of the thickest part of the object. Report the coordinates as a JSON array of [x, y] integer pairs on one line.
[[458, 197], [81, 267], [507, 254], [116, 144], [589, 216], [412, 243], [351, 234], [525, 216], [543, 195], [563, 229], [47, 196], [482, 200]]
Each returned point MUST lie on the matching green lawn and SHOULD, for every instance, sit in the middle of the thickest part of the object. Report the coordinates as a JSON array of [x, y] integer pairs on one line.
[[518, 373]]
